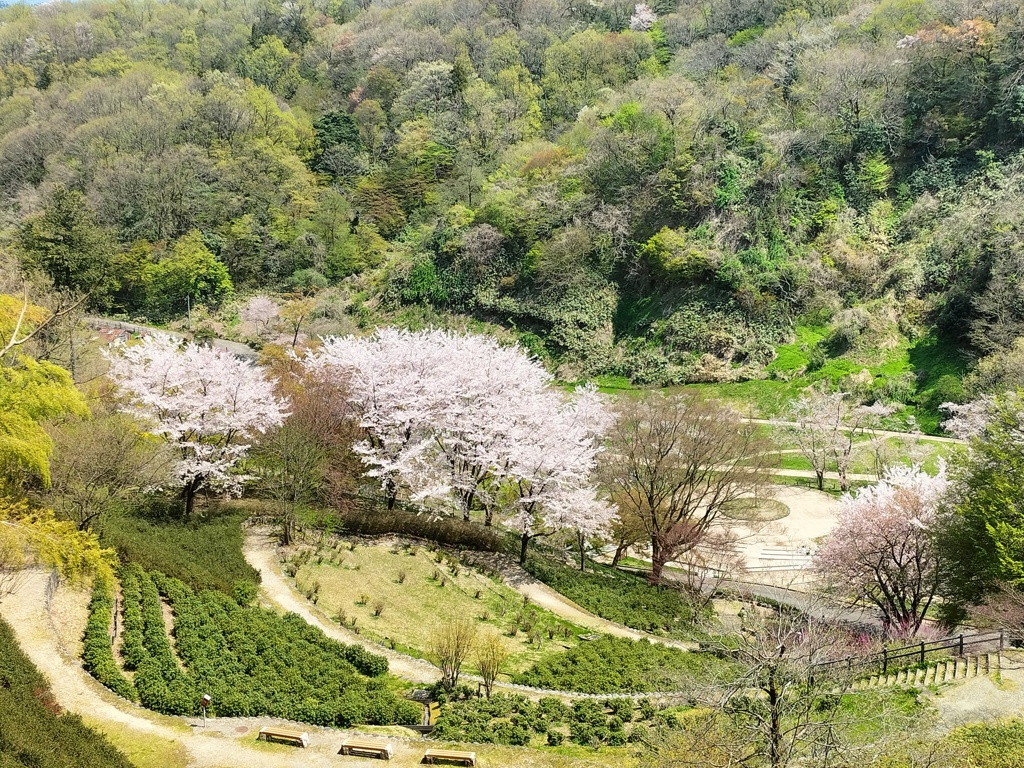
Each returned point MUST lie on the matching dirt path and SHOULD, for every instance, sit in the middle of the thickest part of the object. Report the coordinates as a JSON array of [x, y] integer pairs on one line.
[[219, 745], [260, 552], [544, 596], [981, 698]]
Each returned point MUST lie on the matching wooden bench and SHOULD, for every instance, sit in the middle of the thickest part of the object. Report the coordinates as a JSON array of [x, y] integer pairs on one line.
[[283, 734], [433, 755], [381, 749]]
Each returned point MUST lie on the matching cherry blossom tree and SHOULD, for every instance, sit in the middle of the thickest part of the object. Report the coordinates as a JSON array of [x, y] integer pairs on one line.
[[205, 402], [968, 420], [550, 460], [261, 311], [883, 548], [643, 18], [460, 421], [827, 427]]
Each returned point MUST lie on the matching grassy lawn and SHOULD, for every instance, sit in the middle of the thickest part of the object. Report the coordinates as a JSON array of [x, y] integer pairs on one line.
[[144, 750], [418, 590]]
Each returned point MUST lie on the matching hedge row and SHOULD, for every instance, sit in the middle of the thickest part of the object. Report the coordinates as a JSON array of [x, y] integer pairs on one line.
[[619, 665], [33, 731], [251, 661], [515, 720], [366, 519], [98, 654], [619, 597], [204, 552]]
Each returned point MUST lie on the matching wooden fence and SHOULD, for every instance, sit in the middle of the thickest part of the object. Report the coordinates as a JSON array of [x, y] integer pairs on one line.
[[917, 653]]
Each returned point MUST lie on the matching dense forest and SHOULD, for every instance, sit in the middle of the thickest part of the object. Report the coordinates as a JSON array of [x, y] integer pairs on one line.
[[687, 192]]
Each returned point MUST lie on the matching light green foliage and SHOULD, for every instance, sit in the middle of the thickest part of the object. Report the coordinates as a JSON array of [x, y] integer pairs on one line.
[[190, 272], [30, 392]]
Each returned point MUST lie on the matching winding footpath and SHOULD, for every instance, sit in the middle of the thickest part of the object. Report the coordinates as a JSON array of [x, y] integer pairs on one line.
[[220, 744]]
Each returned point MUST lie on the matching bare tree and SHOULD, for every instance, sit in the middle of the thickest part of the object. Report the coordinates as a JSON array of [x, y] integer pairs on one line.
[[491, 655], [450, 645], [827, 427], [99, 463], [676, 462], [780, 709]]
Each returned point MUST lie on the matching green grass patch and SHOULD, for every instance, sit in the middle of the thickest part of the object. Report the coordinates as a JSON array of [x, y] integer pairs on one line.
[[755, 510], [416, 589], [205, 552], [33, 730]]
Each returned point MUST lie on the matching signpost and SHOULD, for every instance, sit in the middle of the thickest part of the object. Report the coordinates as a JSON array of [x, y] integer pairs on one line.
[[204, 705]]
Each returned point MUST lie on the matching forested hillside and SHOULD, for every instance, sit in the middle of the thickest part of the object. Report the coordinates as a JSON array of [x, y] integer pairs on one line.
[[692, 191]]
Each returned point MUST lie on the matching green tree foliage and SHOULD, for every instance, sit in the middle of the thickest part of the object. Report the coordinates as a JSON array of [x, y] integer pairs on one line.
[[190, 272], [980, 534], [65, 241], [31, 391], [35, 730], [726, 162]]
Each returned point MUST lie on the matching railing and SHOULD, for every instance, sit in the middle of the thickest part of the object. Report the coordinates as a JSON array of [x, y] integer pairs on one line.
[[916, 653]]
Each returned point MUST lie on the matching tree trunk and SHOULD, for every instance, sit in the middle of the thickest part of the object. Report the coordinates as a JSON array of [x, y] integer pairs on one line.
[[190, 496], [658, 559], [391, 493], [524, 543], [821, 479], [582, 544], [775, 723], [620, 550], [488, 517]]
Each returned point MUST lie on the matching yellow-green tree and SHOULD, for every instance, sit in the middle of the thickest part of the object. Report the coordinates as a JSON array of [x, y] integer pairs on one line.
[[31, 391]]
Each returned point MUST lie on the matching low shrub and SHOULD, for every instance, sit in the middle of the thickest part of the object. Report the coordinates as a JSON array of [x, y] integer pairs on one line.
[[204, 552], [33, 730], [618, 665], [98, 653], [619, 597], [367, 519]]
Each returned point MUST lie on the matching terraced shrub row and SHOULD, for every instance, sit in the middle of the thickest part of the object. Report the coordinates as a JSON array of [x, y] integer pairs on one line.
[[33, 730], [204, 552], [517, 721], [619, 597], [252, 661], [98, 653], [620, 665]]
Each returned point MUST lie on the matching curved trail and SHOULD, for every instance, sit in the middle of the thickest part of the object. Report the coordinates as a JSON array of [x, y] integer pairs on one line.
[[220, 744], [259, 551]]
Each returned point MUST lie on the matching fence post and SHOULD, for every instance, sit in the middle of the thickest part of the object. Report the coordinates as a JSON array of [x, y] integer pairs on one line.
[[885, 661], [922, 652], [961, 645]]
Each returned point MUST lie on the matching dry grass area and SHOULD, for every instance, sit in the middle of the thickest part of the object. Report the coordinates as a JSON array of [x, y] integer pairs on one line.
[[414, 590]]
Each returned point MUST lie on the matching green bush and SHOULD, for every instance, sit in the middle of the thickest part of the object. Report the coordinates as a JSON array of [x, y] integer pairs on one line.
[[619, 597], [204, 552], [366, 518], [97, 653], [251, 661], [504, 719], [617, 665], [33, 731]]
